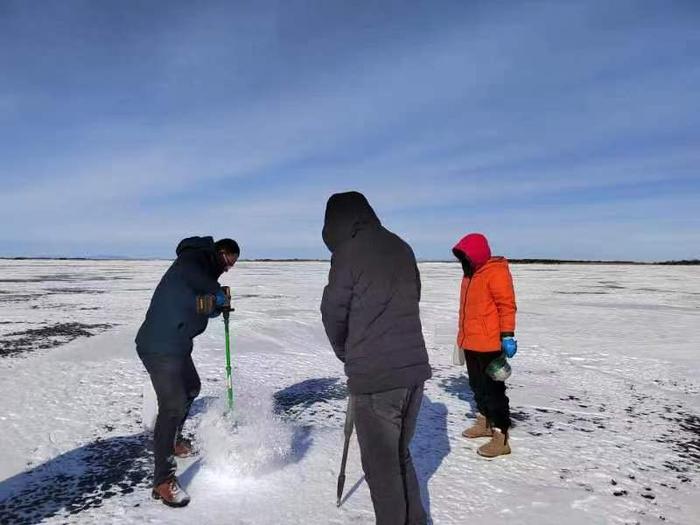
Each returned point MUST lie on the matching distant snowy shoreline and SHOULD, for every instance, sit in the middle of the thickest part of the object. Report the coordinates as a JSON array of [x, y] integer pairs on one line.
[[684, 262]]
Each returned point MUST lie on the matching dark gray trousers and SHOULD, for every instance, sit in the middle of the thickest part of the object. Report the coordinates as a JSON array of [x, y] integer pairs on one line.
[[385, 423], [177, 384]]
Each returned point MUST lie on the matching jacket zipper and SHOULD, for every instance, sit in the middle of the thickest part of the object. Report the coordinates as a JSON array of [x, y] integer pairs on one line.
[[464, 309]]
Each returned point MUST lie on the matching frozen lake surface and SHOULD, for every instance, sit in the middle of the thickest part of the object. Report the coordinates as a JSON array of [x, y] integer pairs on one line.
[[605, 394]]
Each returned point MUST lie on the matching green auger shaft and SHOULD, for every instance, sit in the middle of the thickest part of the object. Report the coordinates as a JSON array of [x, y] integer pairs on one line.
[[229, 384]]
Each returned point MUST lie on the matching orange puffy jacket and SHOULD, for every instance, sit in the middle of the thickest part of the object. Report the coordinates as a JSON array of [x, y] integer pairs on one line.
[[486, 307]]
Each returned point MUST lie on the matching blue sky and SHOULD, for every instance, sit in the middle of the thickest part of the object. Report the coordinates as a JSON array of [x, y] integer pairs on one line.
[[559, 129]]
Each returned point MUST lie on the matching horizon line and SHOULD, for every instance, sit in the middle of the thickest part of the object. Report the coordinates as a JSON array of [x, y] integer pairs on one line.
[[527, 260]]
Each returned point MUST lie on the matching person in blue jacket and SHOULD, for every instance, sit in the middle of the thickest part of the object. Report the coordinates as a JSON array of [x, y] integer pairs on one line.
[[184, 300]]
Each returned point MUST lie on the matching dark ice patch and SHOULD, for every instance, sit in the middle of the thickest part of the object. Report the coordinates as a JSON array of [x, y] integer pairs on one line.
[[88, 291], [259, 296], [19, 297], [66, 277], [519, 415], [16, 343], [684, 438], [582, 292], [82, 277]]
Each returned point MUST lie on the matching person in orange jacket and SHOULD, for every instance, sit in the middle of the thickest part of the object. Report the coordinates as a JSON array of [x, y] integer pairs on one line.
[[486, 332]]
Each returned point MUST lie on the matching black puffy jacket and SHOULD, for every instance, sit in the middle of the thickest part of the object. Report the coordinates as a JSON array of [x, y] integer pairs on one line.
[[370, 305], [172, 320]]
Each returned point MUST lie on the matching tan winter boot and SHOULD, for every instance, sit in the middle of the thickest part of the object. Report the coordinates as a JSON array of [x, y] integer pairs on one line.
[[481, 428], [498, 446]]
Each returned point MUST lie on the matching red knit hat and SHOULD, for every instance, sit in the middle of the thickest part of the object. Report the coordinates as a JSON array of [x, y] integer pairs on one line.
[[476, 247]]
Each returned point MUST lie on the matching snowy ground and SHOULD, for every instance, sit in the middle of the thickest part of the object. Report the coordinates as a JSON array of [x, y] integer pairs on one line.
[[605, 394]]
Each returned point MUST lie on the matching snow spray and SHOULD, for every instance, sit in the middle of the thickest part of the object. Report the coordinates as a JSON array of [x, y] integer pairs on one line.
[[248, 444]]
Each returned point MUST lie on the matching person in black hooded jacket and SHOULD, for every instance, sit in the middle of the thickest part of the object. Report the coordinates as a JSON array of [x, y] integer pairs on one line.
[[184, 300], [371, 315]]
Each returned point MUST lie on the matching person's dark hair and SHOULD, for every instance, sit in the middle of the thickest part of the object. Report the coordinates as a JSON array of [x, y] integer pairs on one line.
[[228, 246]]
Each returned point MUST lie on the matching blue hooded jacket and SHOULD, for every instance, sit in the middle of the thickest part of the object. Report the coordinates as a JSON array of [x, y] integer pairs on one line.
[[172, 320]]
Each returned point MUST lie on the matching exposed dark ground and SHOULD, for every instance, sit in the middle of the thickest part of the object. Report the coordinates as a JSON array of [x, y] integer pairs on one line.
[[44, 292], [16, 343]]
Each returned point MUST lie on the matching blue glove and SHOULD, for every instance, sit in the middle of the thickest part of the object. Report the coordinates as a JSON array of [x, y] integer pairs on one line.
[[509, 345], [220, 299]]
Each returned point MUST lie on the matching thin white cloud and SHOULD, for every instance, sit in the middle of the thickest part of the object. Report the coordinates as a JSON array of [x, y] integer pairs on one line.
[[517, 105]]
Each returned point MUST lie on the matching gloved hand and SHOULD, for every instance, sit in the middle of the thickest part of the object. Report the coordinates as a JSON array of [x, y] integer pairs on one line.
[[206, 304], [214, 303], [509, 346], [221, 299]]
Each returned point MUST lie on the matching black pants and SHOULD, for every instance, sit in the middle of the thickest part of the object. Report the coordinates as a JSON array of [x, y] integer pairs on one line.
[[385, 423], [490, 395], [177, 384]]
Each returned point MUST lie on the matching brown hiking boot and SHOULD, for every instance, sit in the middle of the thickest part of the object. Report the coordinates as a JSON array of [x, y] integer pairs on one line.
[[183, 448], [481, 428], [171, 493], [498, 446]]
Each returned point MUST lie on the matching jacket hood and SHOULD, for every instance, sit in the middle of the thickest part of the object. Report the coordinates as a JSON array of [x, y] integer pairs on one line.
[[203, 249], [346, 214], [476, 247], [195, 243]]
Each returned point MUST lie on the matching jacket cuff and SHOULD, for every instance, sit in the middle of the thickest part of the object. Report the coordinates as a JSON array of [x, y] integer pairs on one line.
[[507, 334]]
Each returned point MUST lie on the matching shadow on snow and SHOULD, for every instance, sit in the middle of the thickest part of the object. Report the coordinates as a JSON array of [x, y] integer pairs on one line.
[[77, 480]]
